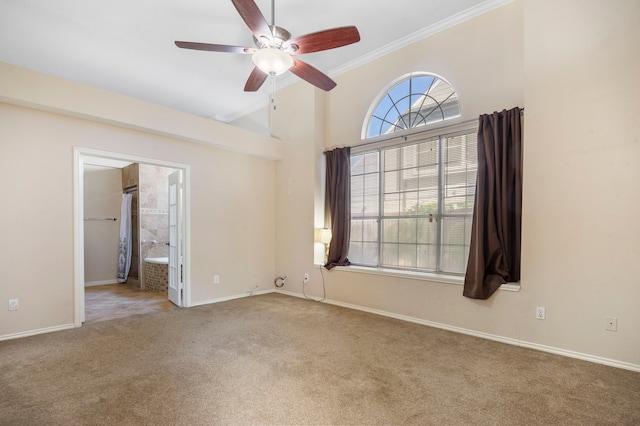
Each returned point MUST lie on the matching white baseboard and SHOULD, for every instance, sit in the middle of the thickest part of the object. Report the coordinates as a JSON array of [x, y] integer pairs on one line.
[[507, 340], [92, 283], [226, 298], [38, 331], [502, 339], [69, 326]]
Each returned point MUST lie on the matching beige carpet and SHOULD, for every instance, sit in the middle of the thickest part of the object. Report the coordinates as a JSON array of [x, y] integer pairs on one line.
[[275, 359]]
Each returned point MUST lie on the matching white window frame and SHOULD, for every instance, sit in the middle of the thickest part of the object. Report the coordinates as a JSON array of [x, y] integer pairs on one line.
[[411, 136]]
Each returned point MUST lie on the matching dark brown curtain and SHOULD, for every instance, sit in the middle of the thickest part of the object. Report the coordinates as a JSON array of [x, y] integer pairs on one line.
[[494, 256], [337, 205]]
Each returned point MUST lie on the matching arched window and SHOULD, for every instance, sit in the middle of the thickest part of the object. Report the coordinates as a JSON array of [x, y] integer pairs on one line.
[[416, 100]]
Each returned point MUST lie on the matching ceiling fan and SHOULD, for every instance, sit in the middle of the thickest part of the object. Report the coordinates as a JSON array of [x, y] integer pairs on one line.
[[276, 49]]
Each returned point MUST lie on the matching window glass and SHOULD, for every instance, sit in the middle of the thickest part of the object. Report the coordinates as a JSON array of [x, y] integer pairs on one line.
[[412, 204], [417, 100]]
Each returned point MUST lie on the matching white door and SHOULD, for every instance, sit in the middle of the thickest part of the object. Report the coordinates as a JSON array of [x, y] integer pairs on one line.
[[176, 235]]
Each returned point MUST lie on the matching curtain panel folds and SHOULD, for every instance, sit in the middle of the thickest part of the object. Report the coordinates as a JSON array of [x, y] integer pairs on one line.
[[124, 248], [494, 254], [337, 205]]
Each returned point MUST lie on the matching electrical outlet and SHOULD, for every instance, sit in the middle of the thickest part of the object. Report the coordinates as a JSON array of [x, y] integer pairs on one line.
[[306, 277], [540, 313], [611, 323], [216, 279], [13, 304]]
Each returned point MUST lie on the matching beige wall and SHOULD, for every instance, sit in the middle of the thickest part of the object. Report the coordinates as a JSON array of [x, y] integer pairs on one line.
[[231, 206], [481, 58], [295, 122], [573, 67], [581, 236], [102, 199]]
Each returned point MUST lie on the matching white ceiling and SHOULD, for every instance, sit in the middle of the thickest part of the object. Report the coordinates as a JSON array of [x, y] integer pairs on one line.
[[127, 46]]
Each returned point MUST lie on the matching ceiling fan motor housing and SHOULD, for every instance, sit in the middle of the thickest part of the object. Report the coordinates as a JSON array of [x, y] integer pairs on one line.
[[278, 39]]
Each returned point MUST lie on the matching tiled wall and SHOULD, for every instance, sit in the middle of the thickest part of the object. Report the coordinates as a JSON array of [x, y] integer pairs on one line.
[[154, 210], [150, 222]]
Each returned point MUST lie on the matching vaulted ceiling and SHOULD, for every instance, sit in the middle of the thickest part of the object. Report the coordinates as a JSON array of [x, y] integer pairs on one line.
[[127, 46]]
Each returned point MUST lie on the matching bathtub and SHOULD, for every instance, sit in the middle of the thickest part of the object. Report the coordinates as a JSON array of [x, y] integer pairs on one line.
[[155, 274], [158, 260]]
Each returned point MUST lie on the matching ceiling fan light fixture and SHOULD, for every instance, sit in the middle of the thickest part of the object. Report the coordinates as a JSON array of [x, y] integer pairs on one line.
[[272, 61]]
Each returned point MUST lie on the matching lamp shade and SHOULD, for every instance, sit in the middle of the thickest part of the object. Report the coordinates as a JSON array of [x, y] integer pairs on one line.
[[272, 61], [325, 236]]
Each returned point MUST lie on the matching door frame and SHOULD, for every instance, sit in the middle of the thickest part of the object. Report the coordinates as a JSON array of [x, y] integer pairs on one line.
[[80, 157]]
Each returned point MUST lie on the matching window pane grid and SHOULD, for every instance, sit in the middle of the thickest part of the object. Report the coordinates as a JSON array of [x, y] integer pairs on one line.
[[411, 179], [363, 245], [418, 100], [364, 185], [412, 205], [460, 170]]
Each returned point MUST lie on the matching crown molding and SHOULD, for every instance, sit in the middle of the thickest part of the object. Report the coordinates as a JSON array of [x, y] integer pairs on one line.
[[421, 34]]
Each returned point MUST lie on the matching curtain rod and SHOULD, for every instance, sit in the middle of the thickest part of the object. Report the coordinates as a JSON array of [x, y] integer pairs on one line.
[[436, 129], [101, 218]]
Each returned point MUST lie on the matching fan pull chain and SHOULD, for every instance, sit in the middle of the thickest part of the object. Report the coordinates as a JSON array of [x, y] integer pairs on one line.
[[273, 92], [273, 76]]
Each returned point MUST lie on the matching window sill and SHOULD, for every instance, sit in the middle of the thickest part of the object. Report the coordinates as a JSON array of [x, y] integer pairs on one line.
[[421, 276]]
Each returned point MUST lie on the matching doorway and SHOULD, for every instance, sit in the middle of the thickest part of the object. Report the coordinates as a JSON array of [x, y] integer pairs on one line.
[[83, 157]]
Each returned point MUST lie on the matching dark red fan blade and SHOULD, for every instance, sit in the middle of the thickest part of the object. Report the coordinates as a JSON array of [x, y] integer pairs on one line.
[[312, 75], [327, 39], [256, 79], [252, 16], [214, 47]]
